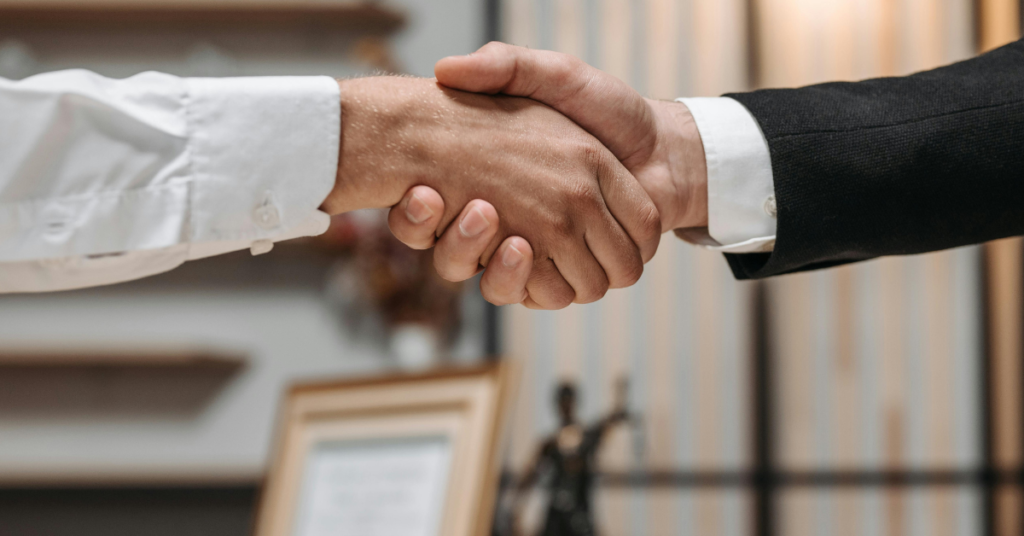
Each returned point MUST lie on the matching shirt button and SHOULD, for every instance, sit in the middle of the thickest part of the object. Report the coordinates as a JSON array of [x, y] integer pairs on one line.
[[57, 222], [261, 247], [267, 216], [770, 207]]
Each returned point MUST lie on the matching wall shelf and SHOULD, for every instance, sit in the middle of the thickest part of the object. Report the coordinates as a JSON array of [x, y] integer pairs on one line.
[[188, 15], [166, 357], [81, 381]]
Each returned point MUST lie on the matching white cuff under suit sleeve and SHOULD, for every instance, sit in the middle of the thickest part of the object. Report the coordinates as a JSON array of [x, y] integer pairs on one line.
[[104, 180], [741, 200]]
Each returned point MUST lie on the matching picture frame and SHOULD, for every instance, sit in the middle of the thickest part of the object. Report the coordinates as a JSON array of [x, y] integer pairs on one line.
[[414, 454]]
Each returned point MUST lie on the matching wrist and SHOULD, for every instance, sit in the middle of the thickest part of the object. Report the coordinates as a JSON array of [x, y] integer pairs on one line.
[[675, 175], [688, 168], [367, 177]]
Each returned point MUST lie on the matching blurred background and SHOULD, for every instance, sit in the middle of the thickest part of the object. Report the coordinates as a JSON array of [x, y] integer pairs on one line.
[[878, 399]]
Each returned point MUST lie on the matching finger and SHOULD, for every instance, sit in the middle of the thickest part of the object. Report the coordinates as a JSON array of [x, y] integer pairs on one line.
[[597, 101], [546, 288], [415, 219], [634, 210], [458, 252], [582, 271], [615, 250], [504, 280]]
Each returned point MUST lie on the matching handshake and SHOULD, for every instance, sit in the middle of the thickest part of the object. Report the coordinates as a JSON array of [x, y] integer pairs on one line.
[[553, 177]]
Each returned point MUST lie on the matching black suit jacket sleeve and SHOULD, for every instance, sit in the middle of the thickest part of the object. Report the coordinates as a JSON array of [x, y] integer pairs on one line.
[[893, 166]]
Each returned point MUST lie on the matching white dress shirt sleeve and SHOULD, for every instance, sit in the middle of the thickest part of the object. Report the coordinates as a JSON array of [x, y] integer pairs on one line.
[[741, 198], [104, 180]]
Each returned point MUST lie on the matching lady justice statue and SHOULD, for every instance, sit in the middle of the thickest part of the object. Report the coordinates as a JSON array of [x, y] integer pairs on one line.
[[568, 461]]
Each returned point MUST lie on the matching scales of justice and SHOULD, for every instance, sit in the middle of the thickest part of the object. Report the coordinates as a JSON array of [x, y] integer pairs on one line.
[[566, 467]]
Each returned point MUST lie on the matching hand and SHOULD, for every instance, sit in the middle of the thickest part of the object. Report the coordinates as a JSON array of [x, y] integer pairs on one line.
[[657, 141], [590, 224]]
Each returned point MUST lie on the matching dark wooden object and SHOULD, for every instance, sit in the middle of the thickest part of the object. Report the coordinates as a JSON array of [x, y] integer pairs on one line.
[[57, 383], [195, 15]]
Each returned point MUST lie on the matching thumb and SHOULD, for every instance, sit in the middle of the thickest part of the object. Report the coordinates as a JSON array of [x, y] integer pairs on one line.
[[487, 70], [602, 104]]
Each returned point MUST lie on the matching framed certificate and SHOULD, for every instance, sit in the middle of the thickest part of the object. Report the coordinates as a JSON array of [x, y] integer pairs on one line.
[[409, 455]]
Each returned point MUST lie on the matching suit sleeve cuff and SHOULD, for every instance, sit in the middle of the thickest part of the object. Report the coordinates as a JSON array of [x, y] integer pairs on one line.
[[741, 201]]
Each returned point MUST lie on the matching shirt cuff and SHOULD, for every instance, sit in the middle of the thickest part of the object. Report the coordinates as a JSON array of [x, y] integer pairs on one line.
[[264, 155], [741, 201]]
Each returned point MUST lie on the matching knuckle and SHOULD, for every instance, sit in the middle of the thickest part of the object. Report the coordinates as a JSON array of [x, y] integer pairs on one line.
[[504, 51], [550, 294], [498, 46], [592, 154], [592, 294], [560, 222], [582, 195], [631, 272], [648, 222], [566, 66], [556, 303]]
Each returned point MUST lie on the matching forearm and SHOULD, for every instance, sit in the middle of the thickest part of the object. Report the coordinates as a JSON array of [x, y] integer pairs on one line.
[[893, 166]]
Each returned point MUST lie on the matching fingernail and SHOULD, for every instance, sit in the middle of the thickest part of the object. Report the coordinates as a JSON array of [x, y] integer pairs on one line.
[[417, 211], [511, 257], [473, 224]]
